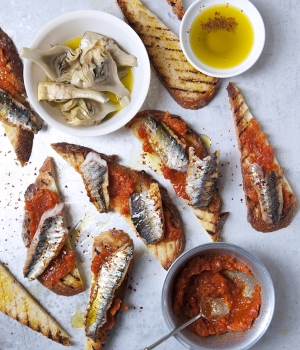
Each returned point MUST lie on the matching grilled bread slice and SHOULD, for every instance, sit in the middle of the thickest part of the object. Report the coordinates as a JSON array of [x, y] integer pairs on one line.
[[173, 145], [36, 197], [112, 261], [177, 8], [18, 304], [190, 88], [11, 81], [130, 191], [271, 203]]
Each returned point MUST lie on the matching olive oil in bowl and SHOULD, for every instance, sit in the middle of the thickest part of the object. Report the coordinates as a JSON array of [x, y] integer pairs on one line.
[[221, 36]]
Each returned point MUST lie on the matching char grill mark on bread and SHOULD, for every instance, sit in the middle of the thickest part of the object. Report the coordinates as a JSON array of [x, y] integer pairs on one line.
[[242, 119], [70, 284], [18, 304], [190, 88], [166, 251]]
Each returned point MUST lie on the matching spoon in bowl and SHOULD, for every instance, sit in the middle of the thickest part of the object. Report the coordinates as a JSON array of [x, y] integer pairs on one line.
[[210, 308]]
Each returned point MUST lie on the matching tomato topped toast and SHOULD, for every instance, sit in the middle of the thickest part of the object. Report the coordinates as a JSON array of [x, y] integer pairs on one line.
[[13, 94], [270, 201], [50, 257], [134, 194], [182, 157], [112, 261]]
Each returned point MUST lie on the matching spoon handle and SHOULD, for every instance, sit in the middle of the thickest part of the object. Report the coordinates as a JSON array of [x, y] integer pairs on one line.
[[176, 330]]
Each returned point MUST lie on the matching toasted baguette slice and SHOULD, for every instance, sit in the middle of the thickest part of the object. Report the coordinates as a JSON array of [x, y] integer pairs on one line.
[[190, 88], [104, 251], [167, 249], [177, 8], [71, 283], [11, 80], [210, 217], [18, 304], [282, 205]]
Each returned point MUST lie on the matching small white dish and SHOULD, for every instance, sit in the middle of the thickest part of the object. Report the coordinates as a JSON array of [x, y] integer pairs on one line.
[[259, 36], [75, 24]]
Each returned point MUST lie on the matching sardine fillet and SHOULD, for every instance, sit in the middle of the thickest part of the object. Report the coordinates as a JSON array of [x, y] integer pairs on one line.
[[165, 251], [190, 88], [18, 304], [211, 218], [111, 242], [21, 140], [242, 117], [72, 283]]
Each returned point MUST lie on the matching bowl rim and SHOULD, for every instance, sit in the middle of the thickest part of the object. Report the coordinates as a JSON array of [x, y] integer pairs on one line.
[[201, 249], [88, 131], [248, 62]]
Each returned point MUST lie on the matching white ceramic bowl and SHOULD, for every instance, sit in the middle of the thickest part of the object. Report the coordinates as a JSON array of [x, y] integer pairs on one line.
[[259, 36], [72, 25], [228, 341]]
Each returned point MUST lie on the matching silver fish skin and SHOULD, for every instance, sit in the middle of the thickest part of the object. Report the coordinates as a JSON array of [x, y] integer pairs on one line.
[[147, 214], [202, 178], [110, 277], [46, 243], [269, 190], [166, 144], [15, 114], [95, 175]]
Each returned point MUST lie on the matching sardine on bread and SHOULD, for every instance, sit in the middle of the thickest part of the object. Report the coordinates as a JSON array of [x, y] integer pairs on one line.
[[271, 203], [50, 258], [144, 204], [112, 261], [182, 157]]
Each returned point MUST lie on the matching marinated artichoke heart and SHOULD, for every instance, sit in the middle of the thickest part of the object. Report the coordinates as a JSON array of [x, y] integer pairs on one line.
[[52, 91], [84, 111], [80, 77], [99, 71], [91, 39], [58, 63]]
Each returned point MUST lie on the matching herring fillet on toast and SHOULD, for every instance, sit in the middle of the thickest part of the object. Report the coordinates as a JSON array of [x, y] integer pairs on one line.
[[179, 154], [18, 304], [130, 191], [271, 203], [190, 88], [112, 261], [36, 197], [11, 74]]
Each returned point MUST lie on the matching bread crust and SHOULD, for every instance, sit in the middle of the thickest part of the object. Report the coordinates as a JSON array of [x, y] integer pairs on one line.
[[242, 116], [72, 283], [165, 251], [190, 88], [21, 140], [177, 8], [212, 219]]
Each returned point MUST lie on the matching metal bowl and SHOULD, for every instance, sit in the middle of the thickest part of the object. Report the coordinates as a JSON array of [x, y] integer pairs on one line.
[[235, 340]]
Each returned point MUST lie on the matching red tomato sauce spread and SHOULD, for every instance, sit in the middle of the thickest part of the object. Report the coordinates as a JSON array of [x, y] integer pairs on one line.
[[203, 276], [179, 127], [42, 201], [254, 144]]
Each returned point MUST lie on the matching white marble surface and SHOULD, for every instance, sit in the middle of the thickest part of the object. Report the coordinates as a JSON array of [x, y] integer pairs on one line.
[[271, 89]]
